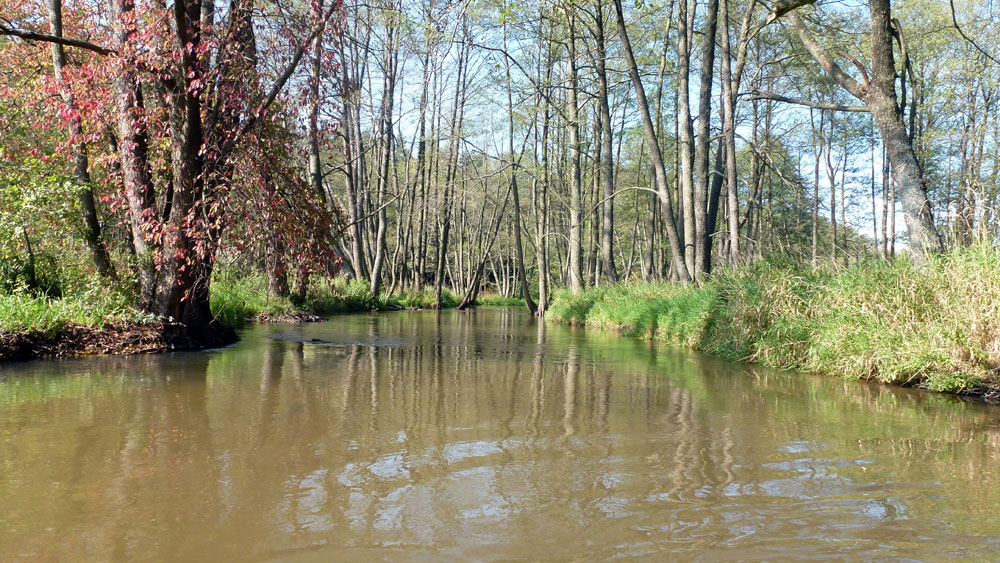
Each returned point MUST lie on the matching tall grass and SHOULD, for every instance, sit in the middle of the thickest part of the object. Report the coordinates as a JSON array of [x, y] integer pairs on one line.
[[238, 298], [94, 305], [935, 325], [497, 300]]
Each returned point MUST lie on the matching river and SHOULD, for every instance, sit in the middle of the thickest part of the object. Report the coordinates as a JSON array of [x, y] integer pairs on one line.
[[481, 435]]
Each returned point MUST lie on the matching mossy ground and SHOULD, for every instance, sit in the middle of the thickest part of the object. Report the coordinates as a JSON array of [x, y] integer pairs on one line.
[[936, 325]]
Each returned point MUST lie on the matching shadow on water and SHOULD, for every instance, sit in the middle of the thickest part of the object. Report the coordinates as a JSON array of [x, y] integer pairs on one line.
[[481, 435]]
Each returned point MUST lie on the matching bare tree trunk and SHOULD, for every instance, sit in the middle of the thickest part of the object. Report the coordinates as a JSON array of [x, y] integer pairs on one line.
[[730, 86], [831, 176], [607, 162], [703, 242], [817, 153], [885, 204], [652, 208], [274, 262], [355, 176], [133, 142], [652, 144], [575, 187], [541, 194], [389, 71], [518, 247], [686, 139], [419, 253], [880, 97], [874, 205], [81, 173], [450, 171]]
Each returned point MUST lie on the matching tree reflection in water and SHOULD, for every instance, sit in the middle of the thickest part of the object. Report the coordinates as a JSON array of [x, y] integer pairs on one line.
[[480, 435]]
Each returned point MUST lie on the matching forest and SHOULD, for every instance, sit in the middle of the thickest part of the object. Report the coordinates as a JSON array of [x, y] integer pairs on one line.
[[190, 166]]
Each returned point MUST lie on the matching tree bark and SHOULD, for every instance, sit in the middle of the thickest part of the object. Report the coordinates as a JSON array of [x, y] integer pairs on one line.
[[91, 224], [522, 275], [703, 241], [607, 160], [686, 131], [575, 226], [880, 97], [649, 132], [389, 71]]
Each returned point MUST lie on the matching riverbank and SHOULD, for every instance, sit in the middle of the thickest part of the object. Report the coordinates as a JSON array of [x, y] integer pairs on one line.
[[935, 326], [101, 320]]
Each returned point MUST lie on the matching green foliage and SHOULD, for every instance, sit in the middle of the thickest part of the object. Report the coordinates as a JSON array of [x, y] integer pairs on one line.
[[38, 274], [239, 297], [936, 325], [497, 300], [425, 299], [36, 206], [91, 304], [339, 296]]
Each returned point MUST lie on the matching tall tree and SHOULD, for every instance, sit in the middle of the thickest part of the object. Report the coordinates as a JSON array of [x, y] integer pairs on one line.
[[880, 96], [81, 163]]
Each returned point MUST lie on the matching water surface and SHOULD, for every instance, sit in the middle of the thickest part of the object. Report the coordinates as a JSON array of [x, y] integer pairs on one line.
[[482, 435]]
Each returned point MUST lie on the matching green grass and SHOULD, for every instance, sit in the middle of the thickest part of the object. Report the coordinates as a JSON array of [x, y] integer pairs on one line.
[[94, 305], [425, 299], [237, 298], [496, 300], [936, 325]]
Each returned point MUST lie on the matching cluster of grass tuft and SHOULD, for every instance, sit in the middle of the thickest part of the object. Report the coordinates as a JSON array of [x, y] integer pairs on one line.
[[238, 297], [936, 325], [330, 297], [497, 300], [420, 299], [89, 304]]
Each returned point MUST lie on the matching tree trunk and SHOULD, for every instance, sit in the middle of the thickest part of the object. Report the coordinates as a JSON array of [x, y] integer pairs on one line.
[[703, 242], [519, 249], [649, 132], [880, 97], [575, 227], [390, 66], [607, 162], [729, 140], [81, 173], [686, 139]]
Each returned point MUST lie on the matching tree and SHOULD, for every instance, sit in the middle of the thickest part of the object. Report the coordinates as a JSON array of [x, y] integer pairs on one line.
[[177, 77], [880, 96]]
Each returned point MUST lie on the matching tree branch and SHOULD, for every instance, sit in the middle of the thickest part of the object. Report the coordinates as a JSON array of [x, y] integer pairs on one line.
[[954, 21], [279, 84], [759, 94], [67, 42], [825, 60]]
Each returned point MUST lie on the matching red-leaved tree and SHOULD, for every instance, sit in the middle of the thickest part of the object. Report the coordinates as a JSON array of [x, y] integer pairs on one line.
[[187, 122]]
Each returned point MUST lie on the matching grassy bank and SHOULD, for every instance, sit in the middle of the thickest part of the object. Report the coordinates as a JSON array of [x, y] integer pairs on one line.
[[93, 318], [936, 326], [238, 299]]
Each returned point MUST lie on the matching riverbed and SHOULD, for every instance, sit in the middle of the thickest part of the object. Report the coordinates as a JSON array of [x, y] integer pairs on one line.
[[482, 435]]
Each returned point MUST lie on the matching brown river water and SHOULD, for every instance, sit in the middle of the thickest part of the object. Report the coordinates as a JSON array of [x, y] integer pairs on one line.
[[481, 436]]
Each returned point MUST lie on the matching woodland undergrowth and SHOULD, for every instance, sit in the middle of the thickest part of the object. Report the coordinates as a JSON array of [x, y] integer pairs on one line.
[[936, 325]]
